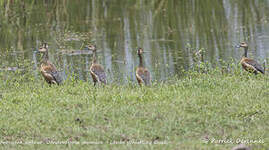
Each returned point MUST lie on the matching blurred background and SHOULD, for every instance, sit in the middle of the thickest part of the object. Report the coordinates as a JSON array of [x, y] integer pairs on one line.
[[170, 30]]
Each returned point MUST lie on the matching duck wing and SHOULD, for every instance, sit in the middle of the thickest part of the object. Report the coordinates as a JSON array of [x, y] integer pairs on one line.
[[98, 71], [144, 75], [51, 74], [255, 64]]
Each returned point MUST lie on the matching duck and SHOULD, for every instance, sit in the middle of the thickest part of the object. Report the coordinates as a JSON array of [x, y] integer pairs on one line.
[[97, 70], [142, 73], [249, 64], [48, 69]]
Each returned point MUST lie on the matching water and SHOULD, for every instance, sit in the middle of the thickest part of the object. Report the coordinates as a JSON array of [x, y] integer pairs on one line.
[[170, 30]]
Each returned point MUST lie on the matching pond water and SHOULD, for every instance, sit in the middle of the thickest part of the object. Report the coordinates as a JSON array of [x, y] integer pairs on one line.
[[169, 30]]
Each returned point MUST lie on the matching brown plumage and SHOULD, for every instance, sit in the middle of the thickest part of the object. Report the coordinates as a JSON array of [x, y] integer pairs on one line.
[[249, 64], [97, 71], [47, 69], [142, 74]]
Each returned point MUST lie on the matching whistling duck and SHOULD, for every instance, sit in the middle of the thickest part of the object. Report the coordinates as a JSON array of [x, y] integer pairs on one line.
[[248, 64], [97, 71], [48, 70], [142, 74]]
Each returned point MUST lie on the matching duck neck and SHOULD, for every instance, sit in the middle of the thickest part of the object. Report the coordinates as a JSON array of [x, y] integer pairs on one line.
[[94, 61], [141, 64], [45, 57], [245, 52]]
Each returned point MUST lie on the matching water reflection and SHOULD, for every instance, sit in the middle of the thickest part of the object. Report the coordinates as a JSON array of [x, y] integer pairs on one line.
[[170, 30]]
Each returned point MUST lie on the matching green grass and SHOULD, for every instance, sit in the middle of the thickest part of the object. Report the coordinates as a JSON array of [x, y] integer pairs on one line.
[[181, 112]]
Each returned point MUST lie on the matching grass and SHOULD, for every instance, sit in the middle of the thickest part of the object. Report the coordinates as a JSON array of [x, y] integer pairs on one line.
[[198, 111]]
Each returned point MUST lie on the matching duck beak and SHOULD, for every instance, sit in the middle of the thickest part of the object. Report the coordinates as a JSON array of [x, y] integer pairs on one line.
[[86, 48], [237, 46], [36, 51]]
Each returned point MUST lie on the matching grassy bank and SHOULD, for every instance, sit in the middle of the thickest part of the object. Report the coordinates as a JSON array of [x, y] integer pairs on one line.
[[192, 112]]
